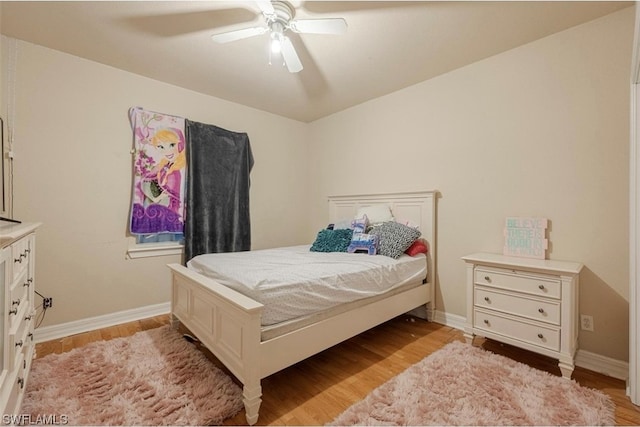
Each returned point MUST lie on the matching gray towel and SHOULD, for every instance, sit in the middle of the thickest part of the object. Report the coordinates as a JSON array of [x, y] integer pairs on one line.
[[218, 166]]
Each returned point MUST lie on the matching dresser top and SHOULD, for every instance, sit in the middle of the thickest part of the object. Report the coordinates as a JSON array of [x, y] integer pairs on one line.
[[10, 231], [499, 260]]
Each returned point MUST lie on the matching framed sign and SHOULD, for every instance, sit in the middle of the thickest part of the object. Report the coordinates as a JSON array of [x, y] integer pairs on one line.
[[526, 237]]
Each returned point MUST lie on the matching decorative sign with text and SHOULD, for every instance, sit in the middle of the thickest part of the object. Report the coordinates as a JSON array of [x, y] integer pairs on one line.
[[525, 237]]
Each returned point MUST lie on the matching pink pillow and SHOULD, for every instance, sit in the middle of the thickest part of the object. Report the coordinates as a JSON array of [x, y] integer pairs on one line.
[[418, 247]]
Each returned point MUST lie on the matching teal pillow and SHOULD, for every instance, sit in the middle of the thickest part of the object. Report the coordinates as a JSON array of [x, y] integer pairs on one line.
[[332, 240]]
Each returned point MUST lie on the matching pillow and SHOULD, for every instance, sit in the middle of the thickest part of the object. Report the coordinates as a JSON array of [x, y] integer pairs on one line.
[[377, 214], [408, 223], [332, 240], [342, 224], [394, 238], [417, 247]]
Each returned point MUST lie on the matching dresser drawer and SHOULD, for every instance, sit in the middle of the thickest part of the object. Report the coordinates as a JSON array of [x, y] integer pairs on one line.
[[16, 382], [20, 254], [19, 290], [18, 311], [20, 339], [543, 310], [532, 333], [530, 283]]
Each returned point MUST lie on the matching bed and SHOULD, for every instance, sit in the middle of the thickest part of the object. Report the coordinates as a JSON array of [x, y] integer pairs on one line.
[[230, 324]]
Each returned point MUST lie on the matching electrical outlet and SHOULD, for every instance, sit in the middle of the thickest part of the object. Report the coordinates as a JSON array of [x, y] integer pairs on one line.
[[47, 303], [586, 322]]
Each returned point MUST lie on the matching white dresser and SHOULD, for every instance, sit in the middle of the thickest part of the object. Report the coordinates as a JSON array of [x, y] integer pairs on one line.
[[17, 306], [528, 303]]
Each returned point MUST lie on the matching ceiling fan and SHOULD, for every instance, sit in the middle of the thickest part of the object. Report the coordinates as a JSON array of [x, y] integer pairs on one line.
[[279, 16]]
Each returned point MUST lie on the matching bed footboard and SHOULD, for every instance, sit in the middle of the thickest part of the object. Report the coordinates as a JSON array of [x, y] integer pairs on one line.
[[227, 323]]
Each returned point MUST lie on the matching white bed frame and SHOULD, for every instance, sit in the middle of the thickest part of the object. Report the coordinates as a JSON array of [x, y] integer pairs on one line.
[[228, 323]]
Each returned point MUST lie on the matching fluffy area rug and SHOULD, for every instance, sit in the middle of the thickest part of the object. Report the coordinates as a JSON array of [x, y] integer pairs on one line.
[[465, 385], [154, 377]]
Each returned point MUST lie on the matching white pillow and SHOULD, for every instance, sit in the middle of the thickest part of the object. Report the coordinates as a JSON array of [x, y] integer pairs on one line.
[[377, 214], [341, 224], [408, 223]]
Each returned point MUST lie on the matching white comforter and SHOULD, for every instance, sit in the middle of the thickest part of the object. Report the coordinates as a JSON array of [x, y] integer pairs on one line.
[[292, 282]]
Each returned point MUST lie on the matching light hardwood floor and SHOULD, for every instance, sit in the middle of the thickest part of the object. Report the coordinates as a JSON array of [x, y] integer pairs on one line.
[[316, 390]]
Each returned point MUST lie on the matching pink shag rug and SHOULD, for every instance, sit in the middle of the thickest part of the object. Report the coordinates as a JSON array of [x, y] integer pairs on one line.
[[465, 385], [154, 377]]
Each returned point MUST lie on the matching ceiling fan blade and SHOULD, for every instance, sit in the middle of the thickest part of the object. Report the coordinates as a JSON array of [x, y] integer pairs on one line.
[[319, 26], [231, 36], [290, 56], [266, 7]]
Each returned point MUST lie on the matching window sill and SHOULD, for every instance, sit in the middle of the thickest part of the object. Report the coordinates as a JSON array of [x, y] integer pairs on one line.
[[149, 250]]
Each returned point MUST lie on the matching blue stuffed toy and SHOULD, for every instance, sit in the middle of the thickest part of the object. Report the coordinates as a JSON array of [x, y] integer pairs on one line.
[[360, 241]]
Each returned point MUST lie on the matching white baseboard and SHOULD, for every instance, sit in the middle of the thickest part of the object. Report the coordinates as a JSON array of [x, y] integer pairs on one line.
[[53, 332], [585, 359], [452, 320], [602, 364]]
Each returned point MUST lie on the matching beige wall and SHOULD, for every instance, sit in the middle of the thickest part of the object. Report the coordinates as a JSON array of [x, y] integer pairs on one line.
[[73, 173], [541, 130]]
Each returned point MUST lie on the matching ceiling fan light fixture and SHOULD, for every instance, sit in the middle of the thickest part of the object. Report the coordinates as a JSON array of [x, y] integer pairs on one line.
[[276, 42], [277, 36], [279, 16]]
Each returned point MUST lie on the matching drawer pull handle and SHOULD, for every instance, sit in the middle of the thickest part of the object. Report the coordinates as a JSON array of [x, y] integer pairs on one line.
[[18, 259], [540, 336], [30, 335], [486, 322], [487, 278], [19, 343], [541, 287], [16, 302], [21, 382], [27, 317], [14, 311], [541, 310], [487, 299]]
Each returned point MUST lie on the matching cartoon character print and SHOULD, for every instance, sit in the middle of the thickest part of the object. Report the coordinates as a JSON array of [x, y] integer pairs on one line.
[[160, 166]]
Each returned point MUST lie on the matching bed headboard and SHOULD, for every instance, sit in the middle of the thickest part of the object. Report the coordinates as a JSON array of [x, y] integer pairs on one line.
[[417, 207]]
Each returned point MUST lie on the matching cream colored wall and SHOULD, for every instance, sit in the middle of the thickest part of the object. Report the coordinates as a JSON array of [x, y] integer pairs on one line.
[[541, 130], [73, 173]]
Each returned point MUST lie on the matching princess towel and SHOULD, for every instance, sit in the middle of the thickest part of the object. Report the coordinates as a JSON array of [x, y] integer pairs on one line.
[[159, 173]]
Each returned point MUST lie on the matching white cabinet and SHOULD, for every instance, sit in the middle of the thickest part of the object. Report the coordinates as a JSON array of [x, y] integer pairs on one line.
[[17, 306], [528, 303]]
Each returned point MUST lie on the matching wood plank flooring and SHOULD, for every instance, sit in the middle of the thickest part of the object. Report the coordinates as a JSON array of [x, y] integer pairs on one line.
[[316, 390]]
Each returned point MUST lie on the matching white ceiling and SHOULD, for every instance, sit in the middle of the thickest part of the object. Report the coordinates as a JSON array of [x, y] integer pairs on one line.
[[389, 45]]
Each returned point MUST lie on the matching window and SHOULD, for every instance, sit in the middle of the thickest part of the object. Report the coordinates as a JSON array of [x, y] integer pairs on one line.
[[156, 244], [142, 239]]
